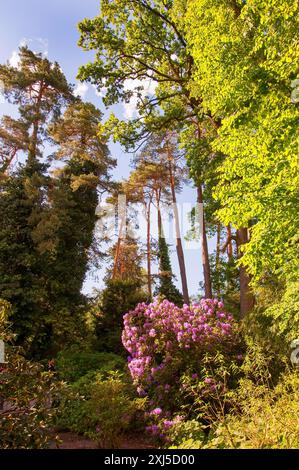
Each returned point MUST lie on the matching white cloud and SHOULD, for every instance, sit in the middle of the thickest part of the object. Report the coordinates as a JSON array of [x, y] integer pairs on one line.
[[148, 89], [37, 45], [81, 90], [15, 59], [100, 93]]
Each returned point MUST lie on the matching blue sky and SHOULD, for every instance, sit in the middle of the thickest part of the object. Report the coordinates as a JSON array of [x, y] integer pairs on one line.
[[51, 26]]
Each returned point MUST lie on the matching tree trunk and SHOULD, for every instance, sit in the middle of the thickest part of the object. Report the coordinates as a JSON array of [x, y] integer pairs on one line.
[[34, 136], [179, 247], [116, 257], [205, 250], [217, 261], [246, 296], [148, 254], [229, 242], [33, 143], [118, 247]]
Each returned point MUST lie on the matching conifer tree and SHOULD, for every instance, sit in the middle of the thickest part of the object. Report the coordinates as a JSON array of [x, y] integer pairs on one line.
[[47, 224], [166, 288]]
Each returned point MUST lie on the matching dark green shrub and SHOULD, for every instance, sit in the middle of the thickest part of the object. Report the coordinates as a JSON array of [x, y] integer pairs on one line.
[[74, 363], [120, 296]]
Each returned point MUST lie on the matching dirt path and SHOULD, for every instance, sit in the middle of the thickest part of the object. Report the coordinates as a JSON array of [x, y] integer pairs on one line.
[[72, 440]]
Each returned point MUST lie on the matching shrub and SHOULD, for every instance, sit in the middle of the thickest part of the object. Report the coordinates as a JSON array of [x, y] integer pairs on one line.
[[274, 322], [167, 343], [173, 430], [258, 413], [186, 434], [74, 363], [266, 418], [101, 408], [26, 396]]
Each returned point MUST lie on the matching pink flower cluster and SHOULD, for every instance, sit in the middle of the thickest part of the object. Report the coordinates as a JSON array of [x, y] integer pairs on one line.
[[161, 427], [162, 338]]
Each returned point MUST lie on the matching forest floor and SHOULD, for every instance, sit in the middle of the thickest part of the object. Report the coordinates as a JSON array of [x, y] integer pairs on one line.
[[70, 440]]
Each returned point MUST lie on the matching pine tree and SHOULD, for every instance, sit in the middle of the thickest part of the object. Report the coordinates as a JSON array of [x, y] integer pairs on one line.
[[47, 224], [158, 169], [39, 88], [66, 233]]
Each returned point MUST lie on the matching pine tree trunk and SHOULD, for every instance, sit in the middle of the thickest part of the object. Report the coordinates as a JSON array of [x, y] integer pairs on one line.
[[34, 137], [217, 261], [148, 254], [246, 296], [33, 143], [118, 247], [179, 247], [116, 257], [205, 250]]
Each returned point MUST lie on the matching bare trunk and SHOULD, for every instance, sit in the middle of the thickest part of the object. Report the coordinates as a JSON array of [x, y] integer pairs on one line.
[[205, 250], [34, 136], [217, 261], [179, 247], [218, 246], [148, 254], [33, 143], [246, 296], [122, 217], [229, 242], [116, 257]]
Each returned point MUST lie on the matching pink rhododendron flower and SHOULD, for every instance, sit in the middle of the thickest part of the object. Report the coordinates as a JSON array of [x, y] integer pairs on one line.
[[165, 341]]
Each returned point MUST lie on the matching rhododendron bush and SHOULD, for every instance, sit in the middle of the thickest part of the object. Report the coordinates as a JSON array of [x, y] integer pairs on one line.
[[167, 344]]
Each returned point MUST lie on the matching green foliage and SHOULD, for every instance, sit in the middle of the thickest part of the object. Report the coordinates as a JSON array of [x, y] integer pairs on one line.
[[274, 322], [258, 409], [47, 222], [118, 297], [127, 260], [138, 42], [268, 418], [101, 409], [210, 394], [166, 288], [186, 435], [225, 282], [27, 394], [264, 418], [76, 362], [22, 272], [283, 315], [39, 88], [245, 61]]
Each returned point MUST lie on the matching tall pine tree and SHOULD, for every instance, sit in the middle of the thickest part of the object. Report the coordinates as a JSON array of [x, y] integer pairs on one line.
[[47, 223]]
